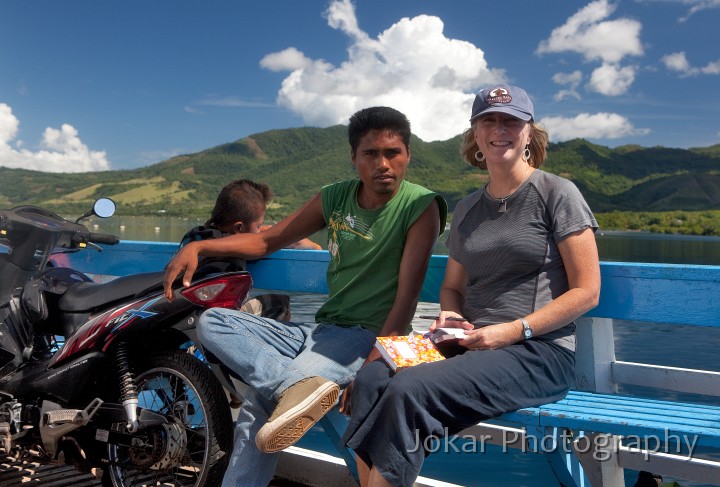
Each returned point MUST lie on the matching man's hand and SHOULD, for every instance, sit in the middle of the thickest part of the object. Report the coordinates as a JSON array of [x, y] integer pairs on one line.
[[185, 261], [372, 356], [346, 400]]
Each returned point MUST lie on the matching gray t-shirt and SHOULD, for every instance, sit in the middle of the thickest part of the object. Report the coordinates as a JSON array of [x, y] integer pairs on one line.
[[511, 258]]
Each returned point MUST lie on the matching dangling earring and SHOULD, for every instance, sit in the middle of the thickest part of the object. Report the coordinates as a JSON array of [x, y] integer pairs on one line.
[[479, 156], [526, 154]]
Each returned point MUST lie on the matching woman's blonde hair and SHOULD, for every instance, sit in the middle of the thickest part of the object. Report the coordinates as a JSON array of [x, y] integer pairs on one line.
[[538, 146]]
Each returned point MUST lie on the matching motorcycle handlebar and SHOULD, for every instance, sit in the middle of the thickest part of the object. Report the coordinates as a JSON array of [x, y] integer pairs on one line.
[[103, 238]]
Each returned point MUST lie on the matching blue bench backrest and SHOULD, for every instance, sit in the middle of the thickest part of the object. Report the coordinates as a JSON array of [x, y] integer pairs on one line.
[[660, 293]]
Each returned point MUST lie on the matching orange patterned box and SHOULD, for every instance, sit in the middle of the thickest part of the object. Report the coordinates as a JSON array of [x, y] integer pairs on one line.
[[406, 351]]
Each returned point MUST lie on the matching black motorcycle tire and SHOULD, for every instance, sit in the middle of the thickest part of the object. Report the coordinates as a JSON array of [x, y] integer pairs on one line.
[[182, 372]]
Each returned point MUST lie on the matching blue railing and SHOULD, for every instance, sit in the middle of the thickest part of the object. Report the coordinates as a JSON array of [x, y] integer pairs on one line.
[[652, 293]]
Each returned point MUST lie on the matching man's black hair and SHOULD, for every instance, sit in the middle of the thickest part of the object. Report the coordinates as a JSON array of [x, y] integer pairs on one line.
[[378, 118]]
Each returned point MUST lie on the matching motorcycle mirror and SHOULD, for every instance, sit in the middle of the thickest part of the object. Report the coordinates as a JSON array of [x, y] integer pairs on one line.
[[103, 207]]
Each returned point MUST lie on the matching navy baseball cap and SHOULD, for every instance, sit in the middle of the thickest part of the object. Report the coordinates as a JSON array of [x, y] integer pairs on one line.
[[504, 99]]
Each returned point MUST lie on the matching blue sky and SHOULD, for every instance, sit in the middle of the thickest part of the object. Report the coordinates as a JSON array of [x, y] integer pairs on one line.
[[90, 85]]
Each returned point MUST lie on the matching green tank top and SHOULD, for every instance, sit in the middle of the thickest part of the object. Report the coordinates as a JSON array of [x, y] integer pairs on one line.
[[366, 248]]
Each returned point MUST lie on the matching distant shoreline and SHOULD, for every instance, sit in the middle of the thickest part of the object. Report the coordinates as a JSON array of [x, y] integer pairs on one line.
[[648, 234]]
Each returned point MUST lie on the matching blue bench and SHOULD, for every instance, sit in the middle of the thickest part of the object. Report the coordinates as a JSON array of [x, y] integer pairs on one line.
[[604, 432], [593, 434]]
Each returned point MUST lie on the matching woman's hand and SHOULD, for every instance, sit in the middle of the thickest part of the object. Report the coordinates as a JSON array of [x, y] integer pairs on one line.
[[492, 337], [445, 321]]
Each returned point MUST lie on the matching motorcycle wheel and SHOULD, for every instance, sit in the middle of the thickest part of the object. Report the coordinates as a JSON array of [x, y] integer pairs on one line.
[[193, 448]]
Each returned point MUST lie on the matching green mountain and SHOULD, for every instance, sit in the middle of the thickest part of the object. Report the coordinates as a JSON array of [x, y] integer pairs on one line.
[[297, 162]]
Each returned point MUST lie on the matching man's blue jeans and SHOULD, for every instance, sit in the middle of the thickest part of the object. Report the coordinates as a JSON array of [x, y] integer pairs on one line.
[[270, 356]]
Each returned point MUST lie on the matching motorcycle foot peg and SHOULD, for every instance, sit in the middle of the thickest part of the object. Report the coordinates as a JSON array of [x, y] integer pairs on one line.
[[75, 416], [56, 423], [62, 416]]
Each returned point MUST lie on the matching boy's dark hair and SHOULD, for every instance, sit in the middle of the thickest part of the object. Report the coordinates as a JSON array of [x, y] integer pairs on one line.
[[378, 118], [240, 200]]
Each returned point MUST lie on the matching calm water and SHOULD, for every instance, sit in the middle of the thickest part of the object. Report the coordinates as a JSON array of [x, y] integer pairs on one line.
[[651, 247], [669, 345], [613, 246]]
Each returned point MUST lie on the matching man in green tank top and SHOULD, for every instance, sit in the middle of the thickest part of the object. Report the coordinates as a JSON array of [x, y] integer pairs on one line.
[[381, 232]]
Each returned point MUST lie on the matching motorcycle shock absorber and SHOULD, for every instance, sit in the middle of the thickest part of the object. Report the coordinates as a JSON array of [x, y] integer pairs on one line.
[[128, 389]]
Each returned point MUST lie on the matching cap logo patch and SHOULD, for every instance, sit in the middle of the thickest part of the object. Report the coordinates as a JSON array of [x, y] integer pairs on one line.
[[498, 95]]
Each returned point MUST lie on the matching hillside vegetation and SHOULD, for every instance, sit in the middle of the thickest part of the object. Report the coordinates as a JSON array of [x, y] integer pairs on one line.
[[297, 162]]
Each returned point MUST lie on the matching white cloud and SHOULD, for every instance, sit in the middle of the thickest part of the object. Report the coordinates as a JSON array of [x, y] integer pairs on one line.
[[698, 6], [288, 60], [695, 6], [8, 124], [611, 79], [410, 66], [679, 63], [61, 149], [676, 62], [231, 101], [591, 126], [596, 39], [589, 33], [341, 15], [572, 81], [711, 68], [224, 101]]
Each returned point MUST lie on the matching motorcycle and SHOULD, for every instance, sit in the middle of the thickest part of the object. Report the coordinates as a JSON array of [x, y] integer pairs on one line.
[[100, 376]]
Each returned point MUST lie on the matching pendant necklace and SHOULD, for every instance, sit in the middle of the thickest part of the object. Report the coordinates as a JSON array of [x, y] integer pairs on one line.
[[503, 205], [503, 201]]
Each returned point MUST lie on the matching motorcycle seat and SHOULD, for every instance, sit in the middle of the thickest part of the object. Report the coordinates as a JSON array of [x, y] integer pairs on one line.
[[86, 296]]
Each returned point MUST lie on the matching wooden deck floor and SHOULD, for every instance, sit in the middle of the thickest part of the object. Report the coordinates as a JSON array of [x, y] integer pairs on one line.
[[14, 473]]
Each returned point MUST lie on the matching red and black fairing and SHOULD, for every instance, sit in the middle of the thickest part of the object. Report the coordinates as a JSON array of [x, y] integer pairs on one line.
[[143, 317], [147, 322]]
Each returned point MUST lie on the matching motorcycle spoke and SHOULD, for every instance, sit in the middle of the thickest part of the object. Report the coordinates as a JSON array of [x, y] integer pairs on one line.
[[169, 394]]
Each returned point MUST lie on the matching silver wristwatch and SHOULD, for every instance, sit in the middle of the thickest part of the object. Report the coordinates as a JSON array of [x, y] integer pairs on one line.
[[527, 331]]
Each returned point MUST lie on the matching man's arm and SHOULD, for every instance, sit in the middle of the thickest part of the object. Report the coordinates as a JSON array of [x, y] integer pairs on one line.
[[421, 238], [419, 244], [302, 223], [303, 244]]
